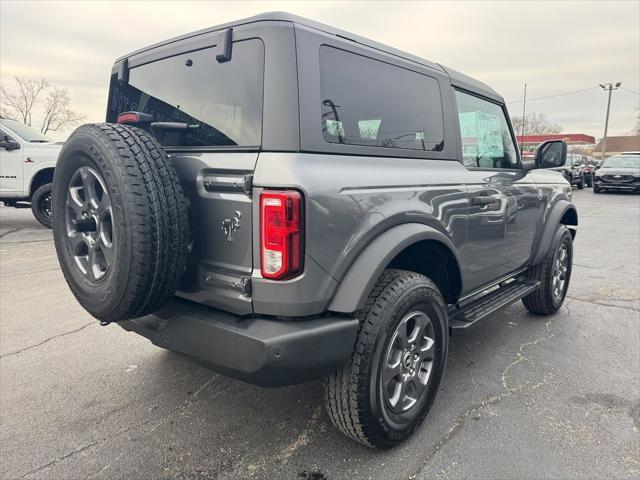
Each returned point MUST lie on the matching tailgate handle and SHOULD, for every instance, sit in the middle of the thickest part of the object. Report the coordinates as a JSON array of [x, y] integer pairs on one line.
[[228, 183]]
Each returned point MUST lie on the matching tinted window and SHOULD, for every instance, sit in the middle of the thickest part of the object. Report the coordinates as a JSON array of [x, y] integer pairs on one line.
[[26, 133], [486, 138], [368, 102], [220, 102]]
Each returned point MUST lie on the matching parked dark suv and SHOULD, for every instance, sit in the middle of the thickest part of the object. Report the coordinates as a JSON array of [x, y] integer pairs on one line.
[[572, 170], [284, 201]]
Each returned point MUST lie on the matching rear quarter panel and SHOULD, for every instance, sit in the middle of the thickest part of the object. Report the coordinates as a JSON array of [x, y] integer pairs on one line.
[[350, 200]]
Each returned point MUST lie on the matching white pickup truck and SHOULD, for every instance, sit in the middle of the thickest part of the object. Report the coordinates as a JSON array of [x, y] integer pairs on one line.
[[27, 160]]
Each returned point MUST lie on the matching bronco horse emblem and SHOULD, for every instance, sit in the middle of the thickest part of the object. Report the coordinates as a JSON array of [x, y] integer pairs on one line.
[[231, 225]]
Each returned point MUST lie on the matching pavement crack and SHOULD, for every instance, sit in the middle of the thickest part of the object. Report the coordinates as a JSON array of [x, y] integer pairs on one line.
[[20, 242], [16, 352], [508, 390], [59, 459], [8, 232], [283, 457], [192, 398], [605, 304], [30, 273]]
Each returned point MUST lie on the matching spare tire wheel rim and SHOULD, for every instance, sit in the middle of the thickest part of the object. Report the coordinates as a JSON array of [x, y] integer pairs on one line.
[[89, 223], [408, 362]]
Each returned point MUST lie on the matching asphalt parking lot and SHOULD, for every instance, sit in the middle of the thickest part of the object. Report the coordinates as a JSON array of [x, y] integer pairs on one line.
[[522, 397]]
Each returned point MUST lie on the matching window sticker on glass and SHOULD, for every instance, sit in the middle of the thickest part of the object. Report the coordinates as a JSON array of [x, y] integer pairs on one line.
[[481, 134], [334, 127], [369, 128]]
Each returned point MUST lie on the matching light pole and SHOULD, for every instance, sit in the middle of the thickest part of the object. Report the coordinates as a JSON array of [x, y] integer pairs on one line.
[[610, 87]]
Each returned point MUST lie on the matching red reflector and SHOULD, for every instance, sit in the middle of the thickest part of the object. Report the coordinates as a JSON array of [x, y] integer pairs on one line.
[[134, 117], [129, 117], [281, 235]]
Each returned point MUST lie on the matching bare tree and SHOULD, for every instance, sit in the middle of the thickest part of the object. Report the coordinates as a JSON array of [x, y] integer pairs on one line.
[[535, 124], [20, 105], [57, 114]]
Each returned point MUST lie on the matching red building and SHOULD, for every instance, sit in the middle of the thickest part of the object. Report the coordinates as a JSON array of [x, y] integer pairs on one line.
[[528, 143]]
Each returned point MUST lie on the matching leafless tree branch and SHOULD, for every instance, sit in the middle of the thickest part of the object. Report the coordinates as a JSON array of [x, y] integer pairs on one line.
[[57, 114], [20, 105], [535, 124]]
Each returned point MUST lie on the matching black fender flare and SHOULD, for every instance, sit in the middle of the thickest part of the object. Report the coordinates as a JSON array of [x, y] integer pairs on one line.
[[361, 277], [550, 226]]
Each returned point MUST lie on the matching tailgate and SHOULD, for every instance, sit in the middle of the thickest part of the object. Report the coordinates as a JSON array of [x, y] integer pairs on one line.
[[218, 189]]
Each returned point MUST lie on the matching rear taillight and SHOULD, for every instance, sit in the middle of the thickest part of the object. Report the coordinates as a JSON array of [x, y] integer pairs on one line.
[[281, 234]]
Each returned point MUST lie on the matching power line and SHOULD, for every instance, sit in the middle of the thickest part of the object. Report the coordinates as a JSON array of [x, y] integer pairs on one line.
[[556, 95], [630, 91]]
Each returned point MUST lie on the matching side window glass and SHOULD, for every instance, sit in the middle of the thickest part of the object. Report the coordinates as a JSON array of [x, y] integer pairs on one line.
[[372, 103], [486, 138]]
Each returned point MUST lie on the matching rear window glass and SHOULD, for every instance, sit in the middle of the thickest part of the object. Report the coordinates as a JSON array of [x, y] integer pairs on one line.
[[220, 103], [369, 102]]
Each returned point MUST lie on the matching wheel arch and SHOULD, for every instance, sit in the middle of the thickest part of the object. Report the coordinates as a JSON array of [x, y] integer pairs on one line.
[[40, 178], [563, 213], [414, 247]]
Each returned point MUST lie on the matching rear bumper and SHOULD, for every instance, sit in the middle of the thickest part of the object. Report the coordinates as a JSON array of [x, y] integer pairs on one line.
[[258, 350]]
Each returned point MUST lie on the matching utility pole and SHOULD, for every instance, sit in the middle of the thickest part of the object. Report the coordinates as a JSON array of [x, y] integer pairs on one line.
[[610, 87], [524, 110]]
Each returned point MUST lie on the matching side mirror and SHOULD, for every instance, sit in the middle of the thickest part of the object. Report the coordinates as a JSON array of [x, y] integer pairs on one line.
[[551, 154], [8, 144]]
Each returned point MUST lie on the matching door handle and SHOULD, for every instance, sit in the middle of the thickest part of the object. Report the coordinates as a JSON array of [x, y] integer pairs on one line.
[[485, 199]]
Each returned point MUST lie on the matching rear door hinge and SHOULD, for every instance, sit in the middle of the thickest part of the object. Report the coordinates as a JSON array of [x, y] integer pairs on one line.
[[244, 285]]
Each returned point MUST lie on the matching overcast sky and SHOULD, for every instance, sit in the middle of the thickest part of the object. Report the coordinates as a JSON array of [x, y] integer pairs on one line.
[[555, 47]]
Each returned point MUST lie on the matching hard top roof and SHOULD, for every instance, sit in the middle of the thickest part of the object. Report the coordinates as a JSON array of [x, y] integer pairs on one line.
[[457, 78]]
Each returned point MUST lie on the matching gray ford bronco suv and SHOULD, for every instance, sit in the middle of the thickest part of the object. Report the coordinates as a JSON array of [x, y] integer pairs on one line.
[[284, 201]]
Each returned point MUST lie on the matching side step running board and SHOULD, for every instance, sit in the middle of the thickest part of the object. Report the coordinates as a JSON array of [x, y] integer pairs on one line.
[[465, 317]]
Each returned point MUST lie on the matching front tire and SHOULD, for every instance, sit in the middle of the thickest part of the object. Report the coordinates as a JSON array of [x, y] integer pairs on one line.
[[554, 274], [41, 204], [384, 393], [580, 184]]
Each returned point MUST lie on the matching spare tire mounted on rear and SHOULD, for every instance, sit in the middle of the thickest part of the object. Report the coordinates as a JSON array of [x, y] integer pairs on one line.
[[119, 221]]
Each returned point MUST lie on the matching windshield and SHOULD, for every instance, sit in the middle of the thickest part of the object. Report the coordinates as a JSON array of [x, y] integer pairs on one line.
[[26, 133], [622, 161]]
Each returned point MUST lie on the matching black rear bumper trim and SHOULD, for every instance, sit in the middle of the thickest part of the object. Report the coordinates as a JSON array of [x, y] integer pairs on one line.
[[258, 350]]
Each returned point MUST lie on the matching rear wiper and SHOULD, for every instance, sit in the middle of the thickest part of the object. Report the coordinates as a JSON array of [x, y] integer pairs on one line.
[[39, 141]]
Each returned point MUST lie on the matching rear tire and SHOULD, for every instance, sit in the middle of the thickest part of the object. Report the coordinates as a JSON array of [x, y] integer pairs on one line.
[[555, 268], [41, 204], [119, 221], [371, 399], [596, 189]]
